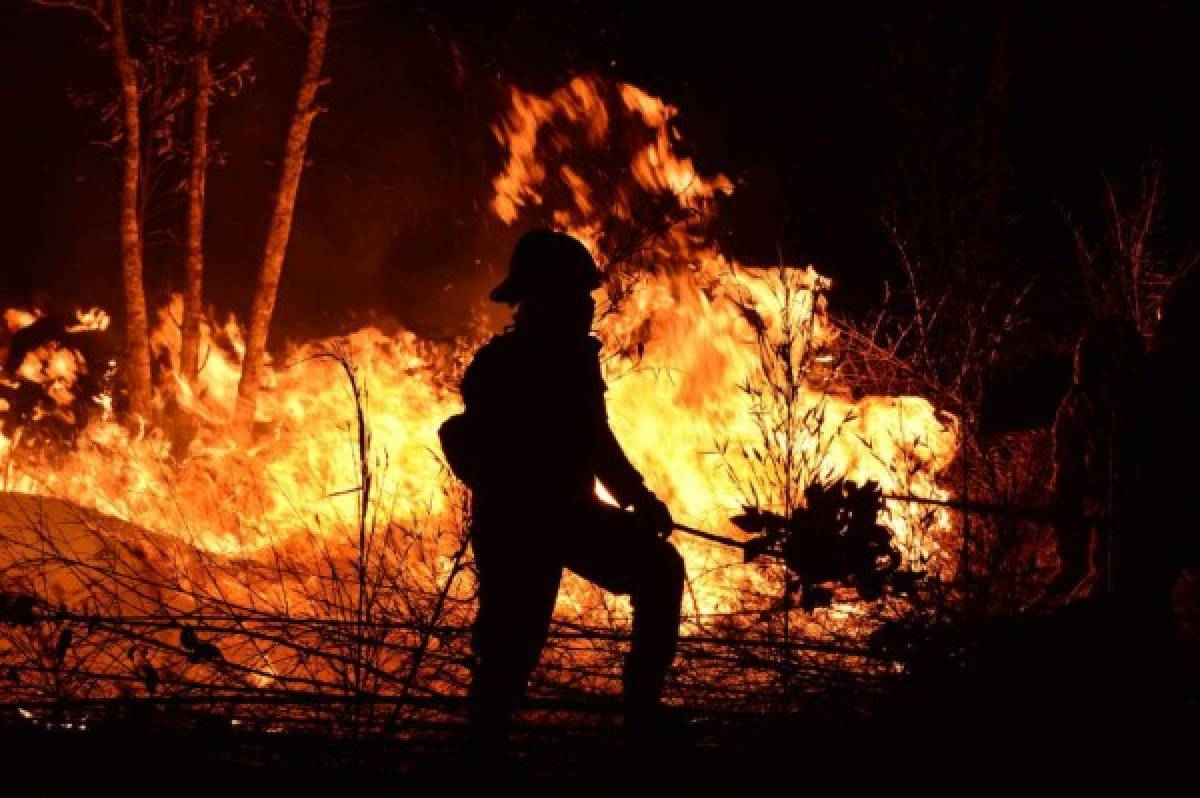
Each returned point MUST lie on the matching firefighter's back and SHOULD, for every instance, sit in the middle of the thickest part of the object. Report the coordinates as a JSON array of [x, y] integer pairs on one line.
[[534, 405]]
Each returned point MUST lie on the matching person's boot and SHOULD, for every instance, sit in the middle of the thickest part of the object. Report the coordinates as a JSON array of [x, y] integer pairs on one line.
[[486, 746]]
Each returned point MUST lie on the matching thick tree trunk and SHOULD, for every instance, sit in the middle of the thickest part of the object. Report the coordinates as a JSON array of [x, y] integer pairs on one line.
[[281, 220], [193, 298], [137, 336]]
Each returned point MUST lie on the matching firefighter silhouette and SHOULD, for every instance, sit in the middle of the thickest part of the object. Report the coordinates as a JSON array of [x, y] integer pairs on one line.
[[1168, 537], [1093, 457], [531, 443]]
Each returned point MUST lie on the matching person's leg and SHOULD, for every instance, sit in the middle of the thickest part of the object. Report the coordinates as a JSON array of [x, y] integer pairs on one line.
[[607, 546], [516, 599]]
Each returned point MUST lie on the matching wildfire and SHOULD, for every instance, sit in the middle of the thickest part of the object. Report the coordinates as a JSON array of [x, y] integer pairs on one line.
[[697, 349]]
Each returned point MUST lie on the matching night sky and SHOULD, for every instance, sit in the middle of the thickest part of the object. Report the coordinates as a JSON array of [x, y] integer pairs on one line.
[[809, 112]]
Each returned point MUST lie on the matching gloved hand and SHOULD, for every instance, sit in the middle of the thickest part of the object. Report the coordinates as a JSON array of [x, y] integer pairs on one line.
[[654, 515]]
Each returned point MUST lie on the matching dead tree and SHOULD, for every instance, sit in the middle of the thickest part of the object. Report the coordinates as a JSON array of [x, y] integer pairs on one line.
[[147, 42], [137, 324], [111, 17], [316, 16], [208, 19], [193, 297], [952, 220]]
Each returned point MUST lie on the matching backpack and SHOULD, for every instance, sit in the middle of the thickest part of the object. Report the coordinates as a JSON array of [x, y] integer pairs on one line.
[[461, 446]]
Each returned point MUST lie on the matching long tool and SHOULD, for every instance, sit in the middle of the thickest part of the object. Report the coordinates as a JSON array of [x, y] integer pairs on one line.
[[962, 505], [979, 508], [713, 537]]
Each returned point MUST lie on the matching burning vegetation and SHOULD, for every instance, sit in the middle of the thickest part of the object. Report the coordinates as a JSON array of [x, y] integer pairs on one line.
[[941, 524], [320, 557]]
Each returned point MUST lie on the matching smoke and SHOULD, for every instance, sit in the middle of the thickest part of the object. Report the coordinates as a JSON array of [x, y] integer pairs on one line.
[[391, 218]]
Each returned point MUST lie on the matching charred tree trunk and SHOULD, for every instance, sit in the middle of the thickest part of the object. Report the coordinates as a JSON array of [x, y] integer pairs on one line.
[[193, 298], [263, 307], [137, 335]]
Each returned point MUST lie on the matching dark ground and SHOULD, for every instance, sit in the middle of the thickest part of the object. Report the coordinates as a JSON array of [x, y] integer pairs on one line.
[[1029, 706], [917, 754]]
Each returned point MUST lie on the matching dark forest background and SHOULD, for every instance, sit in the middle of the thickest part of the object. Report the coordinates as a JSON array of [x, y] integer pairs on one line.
[[830, 118]]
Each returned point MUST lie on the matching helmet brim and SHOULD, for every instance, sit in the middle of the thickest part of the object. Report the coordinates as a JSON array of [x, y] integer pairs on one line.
[[509, 291], [505, 293]]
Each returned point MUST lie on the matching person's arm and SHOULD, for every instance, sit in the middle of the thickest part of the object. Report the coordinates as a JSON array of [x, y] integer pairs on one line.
[[626, 485], [620, 476]]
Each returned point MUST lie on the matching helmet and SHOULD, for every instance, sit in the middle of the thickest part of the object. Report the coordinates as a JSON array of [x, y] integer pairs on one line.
[[547, 264]]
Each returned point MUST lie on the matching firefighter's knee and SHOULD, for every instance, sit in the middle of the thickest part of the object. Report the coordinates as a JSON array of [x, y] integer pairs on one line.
[[676, 569], [672, 571]]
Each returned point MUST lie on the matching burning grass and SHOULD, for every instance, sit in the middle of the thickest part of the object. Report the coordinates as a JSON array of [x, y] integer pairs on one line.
[[319, 571]]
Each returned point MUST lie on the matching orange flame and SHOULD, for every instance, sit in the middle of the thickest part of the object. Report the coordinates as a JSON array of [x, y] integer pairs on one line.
[[690, 394]]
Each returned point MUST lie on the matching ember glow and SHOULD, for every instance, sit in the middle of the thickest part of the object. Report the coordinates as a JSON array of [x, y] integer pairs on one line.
[[694, 342]]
